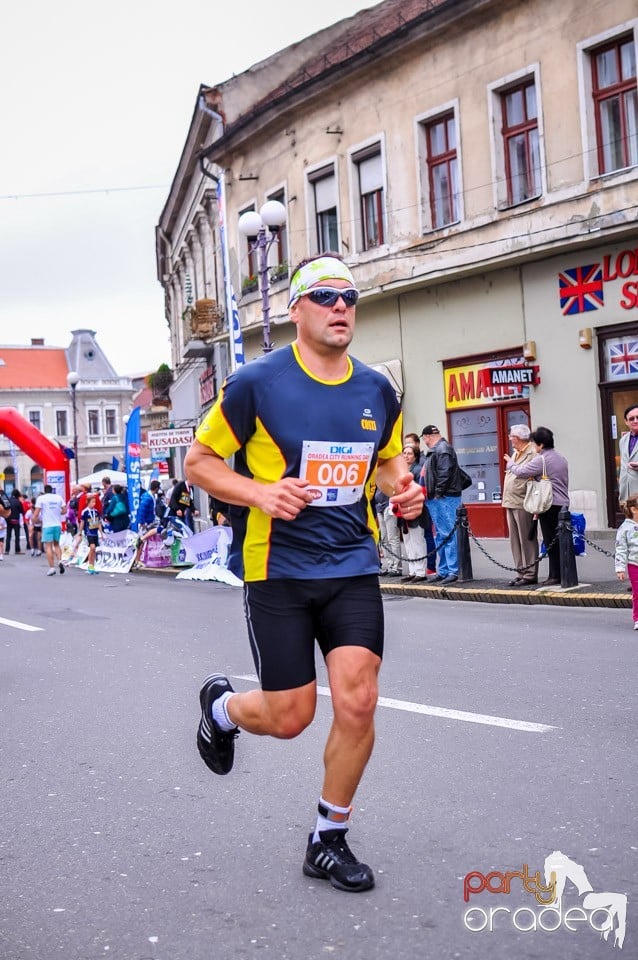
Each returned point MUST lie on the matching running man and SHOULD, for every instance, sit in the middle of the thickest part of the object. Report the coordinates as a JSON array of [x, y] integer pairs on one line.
[[50, 508], [312, 431]]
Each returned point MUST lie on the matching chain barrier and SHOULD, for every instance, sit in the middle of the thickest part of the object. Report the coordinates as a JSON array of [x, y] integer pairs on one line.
[[605, 553], [465, 523], [397, 556], [528, 569]]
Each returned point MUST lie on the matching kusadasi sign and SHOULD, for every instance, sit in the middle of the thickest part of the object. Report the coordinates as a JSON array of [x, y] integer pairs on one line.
[[582, 289], [547, 909]]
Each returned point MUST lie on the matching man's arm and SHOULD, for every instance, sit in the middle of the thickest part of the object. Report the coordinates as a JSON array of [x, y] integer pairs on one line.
[[395, 479], [284, 499]]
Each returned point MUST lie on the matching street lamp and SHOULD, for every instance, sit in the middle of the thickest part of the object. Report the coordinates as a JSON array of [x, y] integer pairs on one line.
[[262, 230], [72, 378]]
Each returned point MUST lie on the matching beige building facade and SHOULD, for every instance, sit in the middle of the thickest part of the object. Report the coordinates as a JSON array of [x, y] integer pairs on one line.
[[476, 163]]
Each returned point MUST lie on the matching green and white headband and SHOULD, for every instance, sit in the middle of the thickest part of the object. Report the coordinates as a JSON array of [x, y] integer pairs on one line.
[[318, 271]]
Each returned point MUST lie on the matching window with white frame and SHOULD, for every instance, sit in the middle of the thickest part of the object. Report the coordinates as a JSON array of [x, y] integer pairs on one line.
[[110, 421], [442, 170], [35, 418], [520, 142], [369, 197], [439, 166], [615, 100], [519, 174], [323, 198], [61, 423], [93, 422]]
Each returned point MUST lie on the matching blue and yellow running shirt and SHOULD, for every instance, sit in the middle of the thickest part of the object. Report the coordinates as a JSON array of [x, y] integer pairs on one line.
[[282, 421]]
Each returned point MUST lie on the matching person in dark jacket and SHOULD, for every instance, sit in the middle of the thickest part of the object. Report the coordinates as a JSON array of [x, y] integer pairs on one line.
[[14, 521], [182, 504], [146, 510], [117, 512], [443, 488]]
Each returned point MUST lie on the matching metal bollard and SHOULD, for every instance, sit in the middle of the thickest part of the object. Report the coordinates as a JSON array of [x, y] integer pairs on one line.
[[568, 572], [463, 546]]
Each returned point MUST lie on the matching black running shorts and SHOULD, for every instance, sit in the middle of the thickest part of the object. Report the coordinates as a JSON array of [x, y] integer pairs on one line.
[[285, 617]]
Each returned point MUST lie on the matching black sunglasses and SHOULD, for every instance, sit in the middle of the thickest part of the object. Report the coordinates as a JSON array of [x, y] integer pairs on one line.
[[328, 296]]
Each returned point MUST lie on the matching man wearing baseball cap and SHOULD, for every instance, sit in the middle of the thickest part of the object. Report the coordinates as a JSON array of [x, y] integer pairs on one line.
[[443, 489]]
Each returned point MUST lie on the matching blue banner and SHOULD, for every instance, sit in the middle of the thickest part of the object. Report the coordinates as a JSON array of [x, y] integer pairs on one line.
[[133, 465], [237, 357]]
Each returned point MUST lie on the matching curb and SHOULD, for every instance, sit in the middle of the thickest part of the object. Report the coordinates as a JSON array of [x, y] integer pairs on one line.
[[550, 596]]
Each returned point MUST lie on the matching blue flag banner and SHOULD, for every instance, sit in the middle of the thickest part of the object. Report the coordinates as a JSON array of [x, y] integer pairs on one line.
[[238, 340], [234, 326], [115, 464], [133, 465]]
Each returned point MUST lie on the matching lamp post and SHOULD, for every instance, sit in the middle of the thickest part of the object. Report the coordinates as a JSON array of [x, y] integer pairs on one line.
[[262, 230], [72, 378]]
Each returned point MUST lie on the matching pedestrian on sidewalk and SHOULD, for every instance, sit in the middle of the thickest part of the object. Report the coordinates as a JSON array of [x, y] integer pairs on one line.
[[443, 486], [521, 524], [390, 538], [626, 558], [628, 475], [413, 531], [311, 429], [552, 463]]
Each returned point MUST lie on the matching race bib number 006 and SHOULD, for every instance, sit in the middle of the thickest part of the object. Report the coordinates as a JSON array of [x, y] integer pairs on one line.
[[336, 472]]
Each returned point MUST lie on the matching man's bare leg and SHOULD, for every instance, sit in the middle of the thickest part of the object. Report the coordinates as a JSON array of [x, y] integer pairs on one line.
[[353, 673]]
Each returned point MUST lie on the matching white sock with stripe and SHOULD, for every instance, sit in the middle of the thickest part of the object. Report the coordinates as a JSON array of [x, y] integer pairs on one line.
[[220, 713], [330, 817]]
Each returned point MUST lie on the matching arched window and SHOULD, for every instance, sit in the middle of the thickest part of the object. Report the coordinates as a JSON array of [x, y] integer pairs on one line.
[[37, 481], [9, 478]]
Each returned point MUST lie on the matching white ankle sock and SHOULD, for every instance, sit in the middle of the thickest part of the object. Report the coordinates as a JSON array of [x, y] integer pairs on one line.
[[220, 713], [330, 817]]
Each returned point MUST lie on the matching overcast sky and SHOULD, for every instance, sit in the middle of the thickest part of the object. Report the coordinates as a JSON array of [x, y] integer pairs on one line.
[[95, 107]]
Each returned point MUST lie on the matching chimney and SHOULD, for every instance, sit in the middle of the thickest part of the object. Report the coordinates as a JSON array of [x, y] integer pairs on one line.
[[37, 341]]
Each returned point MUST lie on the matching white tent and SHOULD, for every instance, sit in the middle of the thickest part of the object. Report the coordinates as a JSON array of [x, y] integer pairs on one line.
[[95, 479]]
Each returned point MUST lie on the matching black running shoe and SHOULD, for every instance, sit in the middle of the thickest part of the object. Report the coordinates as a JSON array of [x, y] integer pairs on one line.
[[216, 747], [61, 565], [332, 859]]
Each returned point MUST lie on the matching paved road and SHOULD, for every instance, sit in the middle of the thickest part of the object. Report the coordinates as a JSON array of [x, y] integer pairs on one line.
[[116, 842]]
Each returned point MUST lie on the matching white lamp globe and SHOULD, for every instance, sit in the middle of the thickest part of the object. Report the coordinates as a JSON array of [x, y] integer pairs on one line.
[[273, 213], [250, 223]]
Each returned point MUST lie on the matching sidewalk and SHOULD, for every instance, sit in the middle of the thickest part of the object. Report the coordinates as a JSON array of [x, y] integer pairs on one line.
[[597, 583]]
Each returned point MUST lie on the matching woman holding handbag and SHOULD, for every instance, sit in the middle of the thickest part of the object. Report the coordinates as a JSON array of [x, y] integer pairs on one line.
[[550, 463]]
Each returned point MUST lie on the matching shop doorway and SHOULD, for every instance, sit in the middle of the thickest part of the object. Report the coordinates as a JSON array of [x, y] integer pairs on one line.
[[480, 437], [614, 402]]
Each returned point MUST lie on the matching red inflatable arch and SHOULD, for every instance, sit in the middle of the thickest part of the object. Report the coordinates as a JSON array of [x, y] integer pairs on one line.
[[33, 442]]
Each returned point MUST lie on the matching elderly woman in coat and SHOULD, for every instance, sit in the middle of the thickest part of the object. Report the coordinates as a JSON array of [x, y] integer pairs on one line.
[[522, 528], [557, 471]]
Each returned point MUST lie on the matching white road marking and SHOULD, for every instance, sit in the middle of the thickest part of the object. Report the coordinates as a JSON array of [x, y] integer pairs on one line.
[[444, 712], [20, 626]]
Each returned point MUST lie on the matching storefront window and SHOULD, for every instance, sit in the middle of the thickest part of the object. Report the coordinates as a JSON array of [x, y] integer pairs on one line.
[[474, 436]]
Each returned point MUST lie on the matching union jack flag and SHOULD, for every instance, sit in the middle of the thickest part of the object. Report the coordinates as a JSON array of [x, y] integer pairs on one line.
[[623, 358], [581, 289]]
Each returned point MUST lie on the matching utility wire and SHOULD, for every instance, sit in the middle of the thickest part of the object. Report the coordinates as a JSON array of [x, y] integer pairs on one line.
[[75, 193]]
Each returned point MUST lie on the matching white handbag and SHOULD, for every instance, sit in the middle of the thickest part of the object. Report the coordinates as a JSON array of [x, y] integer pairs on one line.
[[538, 495]]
